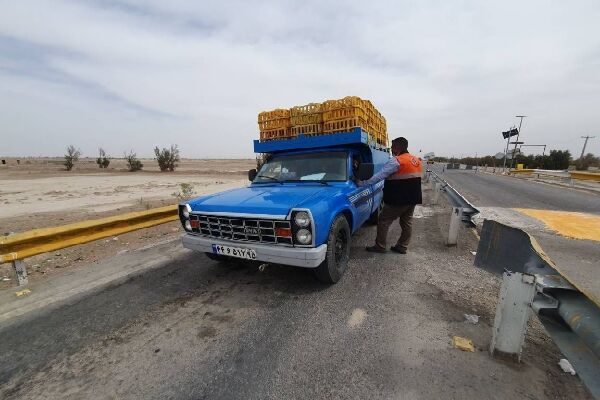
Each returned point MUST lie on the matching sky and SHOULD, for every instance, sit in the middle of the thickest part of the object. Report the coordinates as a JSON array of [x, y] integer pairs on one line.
[[449, 76]]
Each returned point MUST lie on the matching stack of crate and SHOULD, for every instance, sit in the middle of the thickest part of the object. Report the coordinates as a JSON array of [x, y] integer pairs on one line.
[[376, 124], [274, 124], [331, 116], [307, 119], [344, 114], [353, 112]]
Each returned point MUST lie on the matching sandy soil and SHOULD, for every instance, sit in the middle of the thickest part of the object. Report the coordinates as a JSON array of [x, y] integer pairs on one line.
[[43, 186], [38, 193]]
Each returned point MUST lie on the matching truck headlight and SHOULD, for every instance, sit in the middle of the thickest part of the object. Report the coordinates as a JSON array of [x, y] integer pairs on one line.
[[304, 236], [186, 211], [302, 219]]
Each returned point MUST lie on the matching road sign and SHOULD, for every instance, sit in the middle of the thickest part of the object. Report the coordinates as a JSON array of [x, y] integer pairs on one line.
[[512, 132]]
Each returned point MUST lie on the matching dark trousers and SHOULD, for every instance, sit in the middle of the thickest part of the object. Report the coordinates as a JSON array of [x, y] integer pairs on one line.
[[388, 215]]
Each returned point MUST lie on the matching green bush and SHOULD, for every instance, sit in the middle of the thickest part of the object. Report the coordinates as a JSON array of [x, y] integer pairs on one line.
[[133, 163], [103, 161], [71, 157], [167, 158]]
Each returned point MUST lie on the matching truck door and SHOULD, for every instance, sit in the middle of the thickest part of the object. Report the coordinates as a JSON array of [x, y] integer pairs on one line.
[[361, 198]]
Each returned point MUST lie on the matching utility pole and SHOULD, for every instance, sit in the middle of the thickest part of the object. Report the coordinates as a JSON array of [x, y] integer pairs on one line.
[[518, 133], [506, 151], [588, 137]]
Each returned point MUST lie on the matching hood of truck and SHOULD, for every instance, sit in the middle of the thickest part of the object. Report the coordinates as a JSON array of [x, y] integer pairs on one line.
[[267, 199]]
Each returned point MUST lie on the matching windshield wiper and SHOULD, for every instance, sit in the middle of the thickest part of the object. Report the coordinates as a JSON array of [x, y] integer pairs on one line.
[[268, 177]]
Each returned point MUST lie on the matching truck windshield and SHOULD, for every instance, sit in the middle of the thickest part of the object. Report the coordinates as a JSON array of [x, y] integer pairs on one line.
[[331, 167]]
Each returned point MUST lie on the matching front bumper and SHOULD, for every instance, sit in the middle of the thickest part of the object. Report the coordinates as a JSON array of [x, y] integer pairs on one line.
[[308, 257]]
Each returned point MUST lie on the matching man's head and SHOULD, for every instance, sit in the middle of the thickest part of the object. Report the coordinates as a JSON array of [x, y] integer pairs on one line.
[[399, 146]]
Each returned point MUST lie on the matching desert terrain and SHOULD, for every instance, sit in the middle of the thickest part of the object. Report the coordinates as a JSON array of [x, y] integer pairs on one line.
[[39, 193]]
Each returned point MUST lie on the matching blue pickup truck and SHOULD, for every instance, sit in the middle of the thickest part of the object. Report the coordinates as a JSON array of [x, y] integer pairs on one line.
[[301, 208]]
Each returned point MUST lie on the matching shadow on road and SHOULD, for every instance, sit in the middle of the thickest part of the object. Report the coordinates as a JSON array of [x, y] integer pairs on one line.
[[29, 346]]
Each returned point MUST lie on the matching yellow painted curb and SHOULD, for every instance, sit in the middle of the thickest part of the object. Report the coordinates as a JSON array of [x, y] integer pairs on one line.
[[573, 225]]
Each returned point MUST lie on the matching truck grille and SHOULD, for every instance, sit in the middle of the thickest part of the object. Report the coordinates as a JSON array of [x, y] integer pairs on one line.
[[242, 229]]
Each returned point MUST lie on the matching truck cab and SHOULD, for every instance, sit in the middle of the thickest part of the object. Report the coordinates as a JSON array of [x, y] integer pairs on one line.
[[301, 207]]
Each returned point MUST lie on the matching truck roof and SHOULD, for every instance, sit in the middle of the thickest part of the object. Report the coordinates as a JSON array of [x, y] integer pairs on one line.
[[353, 137]]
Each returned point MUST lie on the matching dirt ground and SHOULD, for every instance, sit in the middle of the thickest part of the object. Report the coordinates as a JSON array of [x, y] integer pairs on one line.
[[39, 193]]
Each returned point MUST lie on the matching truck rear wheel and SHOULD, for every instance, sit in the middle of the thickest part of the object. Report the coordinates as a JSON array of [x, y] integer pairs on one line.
[[338, 252]]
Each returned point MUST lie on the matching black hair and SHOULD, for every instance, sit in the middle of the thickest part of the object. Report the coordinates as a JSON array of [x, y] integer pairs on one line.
[[400, 141]]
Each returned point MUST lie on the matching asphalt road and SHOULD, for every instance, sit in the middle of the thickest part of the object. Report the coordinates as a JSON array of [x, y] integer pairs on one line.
[[196, 329], [488, 190], [496, 195]]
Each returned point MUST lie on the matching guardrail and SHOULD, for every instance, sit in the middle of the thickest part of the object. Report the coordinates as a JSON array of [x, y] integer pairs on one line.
[[16, 247], [585, 176], [462, 209], [531, 281], [578, 175]]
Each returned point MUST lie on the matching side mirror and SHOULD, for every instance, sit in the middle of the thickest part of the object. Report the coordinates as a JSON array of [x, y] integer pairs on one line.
[[365, 171], [252, 174]]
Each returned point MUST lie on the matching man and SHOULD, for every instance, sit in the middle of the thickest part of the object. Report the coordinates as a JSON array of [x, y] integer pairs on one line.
[[401, 192]]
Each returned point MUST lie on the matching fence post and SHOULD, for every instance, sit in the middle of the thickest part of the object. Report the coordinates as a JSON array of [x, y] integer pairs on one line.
[[512, 313], [436, 193], [20, 272], [455, 220]]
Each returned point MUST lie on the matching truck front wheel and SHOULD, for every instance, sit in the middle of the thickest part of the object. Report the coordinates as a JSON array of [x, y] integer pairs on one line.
[[338, 252]]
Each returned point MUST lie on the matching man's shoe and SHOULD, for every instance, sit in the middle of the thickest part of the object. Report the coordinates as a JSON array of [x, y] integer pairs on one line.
[[398, 249], [376, 249]]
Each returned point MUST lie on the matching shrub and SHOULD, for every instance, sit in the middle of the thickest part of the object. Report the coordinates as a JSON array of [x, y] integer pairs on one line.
[[71, 157], [167, 158], [102, 160], [187, 191], [133, 163], [589, 160]]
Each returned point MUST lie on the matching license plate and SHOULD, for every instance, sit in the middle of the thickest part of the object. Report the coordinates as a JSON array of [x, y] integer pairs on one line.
[[248, 254]]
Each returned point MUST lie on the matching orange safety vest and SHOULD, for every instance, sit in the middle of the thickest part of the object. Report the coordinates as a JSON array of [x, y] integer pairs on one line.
[[410, 167]]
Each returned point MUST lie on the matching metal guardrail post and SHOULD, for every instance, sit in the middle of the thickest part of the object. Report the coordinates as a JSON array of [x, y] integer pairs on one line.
[[437, 188], [512, 313], [20, 272], [571, 318], [455, 219]]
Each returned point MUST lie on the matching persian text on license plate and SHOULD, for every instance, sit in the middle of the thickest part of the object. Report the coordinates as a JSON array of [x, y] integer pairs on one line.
[[248, 254]]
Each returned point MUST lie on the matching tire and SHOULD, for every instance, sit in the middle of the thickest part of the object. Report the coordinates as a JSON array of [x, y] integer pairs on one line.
[[338, 252]]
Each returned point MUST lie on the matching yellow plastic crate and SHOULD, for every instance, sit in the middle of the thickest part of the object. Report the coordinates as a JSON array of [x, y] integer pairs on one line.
[[308, 129], [342, 125], [349, 101], [307, 114], [274, 119], [345, 113], [276, 134]]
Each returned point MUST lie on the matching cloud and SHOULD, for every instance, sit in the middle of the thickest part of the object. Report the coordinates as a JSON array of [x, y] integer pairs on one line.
[[450, 77]]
